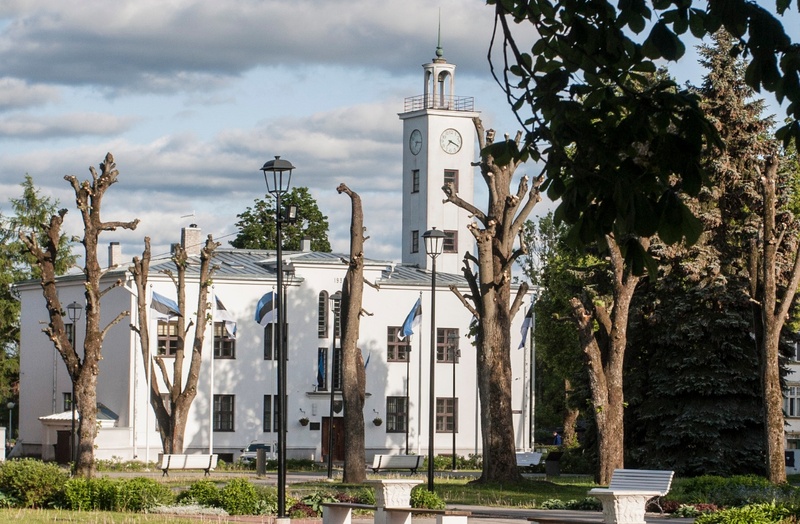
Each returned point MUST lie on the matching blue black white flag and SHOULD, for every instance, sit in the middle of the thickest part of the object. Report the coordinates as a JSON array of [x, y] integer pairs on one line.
[[412, 321], [265, 311], [221, 314], [164, 307], [526, 326]]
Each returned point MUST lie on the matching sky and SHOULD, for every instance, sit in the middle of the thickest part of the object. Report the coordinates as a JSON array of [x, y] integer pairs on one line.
[[193, 96]]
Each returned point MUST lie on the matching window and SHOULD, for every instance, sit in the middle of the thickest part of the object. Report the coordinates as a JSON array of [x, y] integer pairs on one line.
[[415, 241], [450, 243], [446, 415], [451, 176], [70, 328], [167, 338], [415, 180], [396, 349], [791, 401], [396, 414], [223, 412], [795, 352], [67, 400], [322, 315], [337, 369], [224, 343], [337, 318], [322, 369], [447, 345], [270, 415]]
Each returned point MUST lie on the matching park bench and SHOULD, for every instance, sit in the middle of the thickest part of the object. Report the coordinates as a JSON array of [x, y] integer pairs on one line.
[[625, 498], [342, 513], [203, 461], [394, 462], [528, 459]]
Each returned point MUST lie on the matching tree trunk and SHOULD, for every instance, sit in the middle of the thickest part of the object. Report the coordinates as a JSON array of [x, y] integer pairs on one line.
[[354, 376], [570, 437], [489, 300], [83, 371], [771, 312]]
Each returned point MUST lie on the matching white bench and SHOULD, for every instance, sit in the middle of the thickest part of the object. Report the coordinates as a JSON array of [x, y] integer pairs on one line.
[[527, 459], [387, 462], [625, 498], [205, 461], [342, 513]]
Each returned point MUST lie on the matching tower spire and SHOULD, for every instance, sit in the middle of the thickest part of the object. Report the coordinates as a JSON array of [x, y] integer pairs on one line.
[[439, 50]]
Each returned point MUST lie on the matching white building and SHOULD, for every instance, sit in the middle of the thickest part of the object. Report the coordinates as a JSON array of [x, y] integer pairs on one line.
[[236, 402]]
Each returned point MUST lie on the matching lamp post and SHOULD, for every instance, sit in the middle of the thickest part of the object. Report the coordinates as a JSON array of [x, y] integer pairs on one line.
[[74, 312], [10, 407], [452, 343], [408, 389], [433, 248], [278, 176], [335, 298]]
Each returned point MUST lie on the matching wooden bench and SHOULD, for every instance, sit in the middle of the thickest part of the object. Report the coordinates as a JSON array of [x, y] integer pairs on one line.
[[342, 513], [205, 461], [625, 498], [394, 462]]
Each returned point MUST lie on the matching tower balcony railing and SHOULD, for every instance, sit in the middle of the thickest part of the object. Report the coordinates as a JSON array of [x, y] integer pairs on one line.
[[450, 103]]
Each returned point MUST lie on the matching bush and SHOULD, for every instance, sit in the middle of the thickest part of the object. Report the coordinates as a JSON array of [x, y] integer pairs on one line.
[[141, 494], [751, 514], [33, 483], [740, 490], [203, 492], [89, 494], [267, 503], [239, 497], [422, 498]]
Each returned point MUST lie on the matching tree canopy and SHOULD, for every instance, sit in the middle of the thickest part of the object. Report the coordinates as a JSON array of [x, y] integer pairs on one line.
[[257, 224]]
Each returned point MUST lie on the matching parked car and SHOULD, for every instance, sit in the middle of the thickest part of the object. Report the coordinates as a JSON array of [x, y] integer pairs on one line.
[[248, 455]]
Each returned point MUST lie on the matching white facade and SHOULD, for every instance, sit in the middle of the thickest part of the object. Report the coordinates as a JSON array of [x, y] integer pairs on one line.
[[439, 138]]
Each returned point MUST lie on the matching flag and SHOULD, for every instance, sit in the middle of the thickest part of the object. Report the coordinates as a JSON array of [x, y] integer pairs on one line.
[[265, 311], [320, 370], [221, 314], [165, 307], [526, 326], [412, 321]]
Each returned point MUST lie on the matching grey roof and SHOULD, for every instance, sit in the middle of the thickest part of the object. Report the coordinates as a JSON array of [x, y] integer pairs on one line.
[[407, 275]]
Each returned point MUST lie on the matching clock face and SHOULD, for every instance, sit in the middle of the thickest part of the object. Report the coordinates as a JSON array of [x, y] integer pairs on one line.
[[450, 141], [415, 142]]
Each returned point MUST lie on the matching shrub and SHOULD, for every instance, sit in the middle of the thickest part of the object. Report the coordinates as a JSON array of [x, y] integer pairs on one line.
[[739, 490], [203, 492], [239, 497], [267, 503], [89, 494], [752, 514], [33, 483], [422, 498], [141, 494]]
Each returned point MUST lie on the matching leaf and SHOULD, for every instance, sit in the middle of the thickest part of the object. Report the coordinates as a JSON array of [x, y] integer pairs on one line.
[[664, 42]]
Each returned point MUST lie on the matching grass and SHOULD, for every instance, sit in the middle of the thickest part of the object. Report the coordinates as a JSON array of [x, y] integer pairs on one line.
[[41, 516]]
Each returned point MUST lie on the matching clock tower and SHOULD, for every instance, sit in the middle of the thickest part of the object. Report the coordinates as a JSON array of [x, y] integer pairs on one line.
[[438, 146]]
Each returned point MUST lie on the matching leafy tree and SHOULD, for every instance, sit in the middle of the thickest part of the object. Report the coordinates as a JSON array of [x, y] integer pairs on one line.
[[354, 380], [490, 299], [172, 409], [81, 366], [579, 69], [257, 224]]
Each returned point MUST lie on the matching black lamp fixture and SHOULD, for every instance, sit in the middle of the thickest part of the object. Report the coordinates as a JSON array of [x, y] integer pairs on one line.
[[434, 241], [278, 177]]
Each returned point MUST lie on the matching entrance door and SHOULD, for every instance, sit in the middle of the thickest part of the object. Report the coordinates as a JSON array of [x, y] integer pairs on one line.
[[338, 438], [63, 447]]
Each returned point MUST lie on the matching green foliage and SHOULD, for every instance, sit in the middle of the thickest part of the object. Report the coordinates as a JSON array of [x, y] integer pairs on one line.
[[239, 497], [35, 484], [203, 492], [316, 499], [753, 514], [422, 498], [90, 494], [257, 224], [738, 490], [585, 504], [140, 494], [267, 503]]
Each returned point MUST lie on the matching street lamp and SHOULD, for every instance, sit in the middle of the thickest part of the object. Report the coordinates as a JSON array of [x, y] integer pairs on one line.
[[335, 298], [434, 240], [74, 313], [10, 407], [452, 343], [278, 176]]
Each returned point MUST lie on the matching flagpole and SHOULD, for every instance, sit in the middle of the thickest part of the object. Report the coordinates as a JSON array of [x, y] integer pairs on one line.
[[419, 388], [147, 396], [211, 374]]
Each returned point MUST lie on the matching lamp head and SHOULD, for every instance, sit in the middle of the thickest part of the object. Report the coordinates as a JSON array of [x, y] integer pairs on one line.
[[278, 175], [434, 242], [74, 311]]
